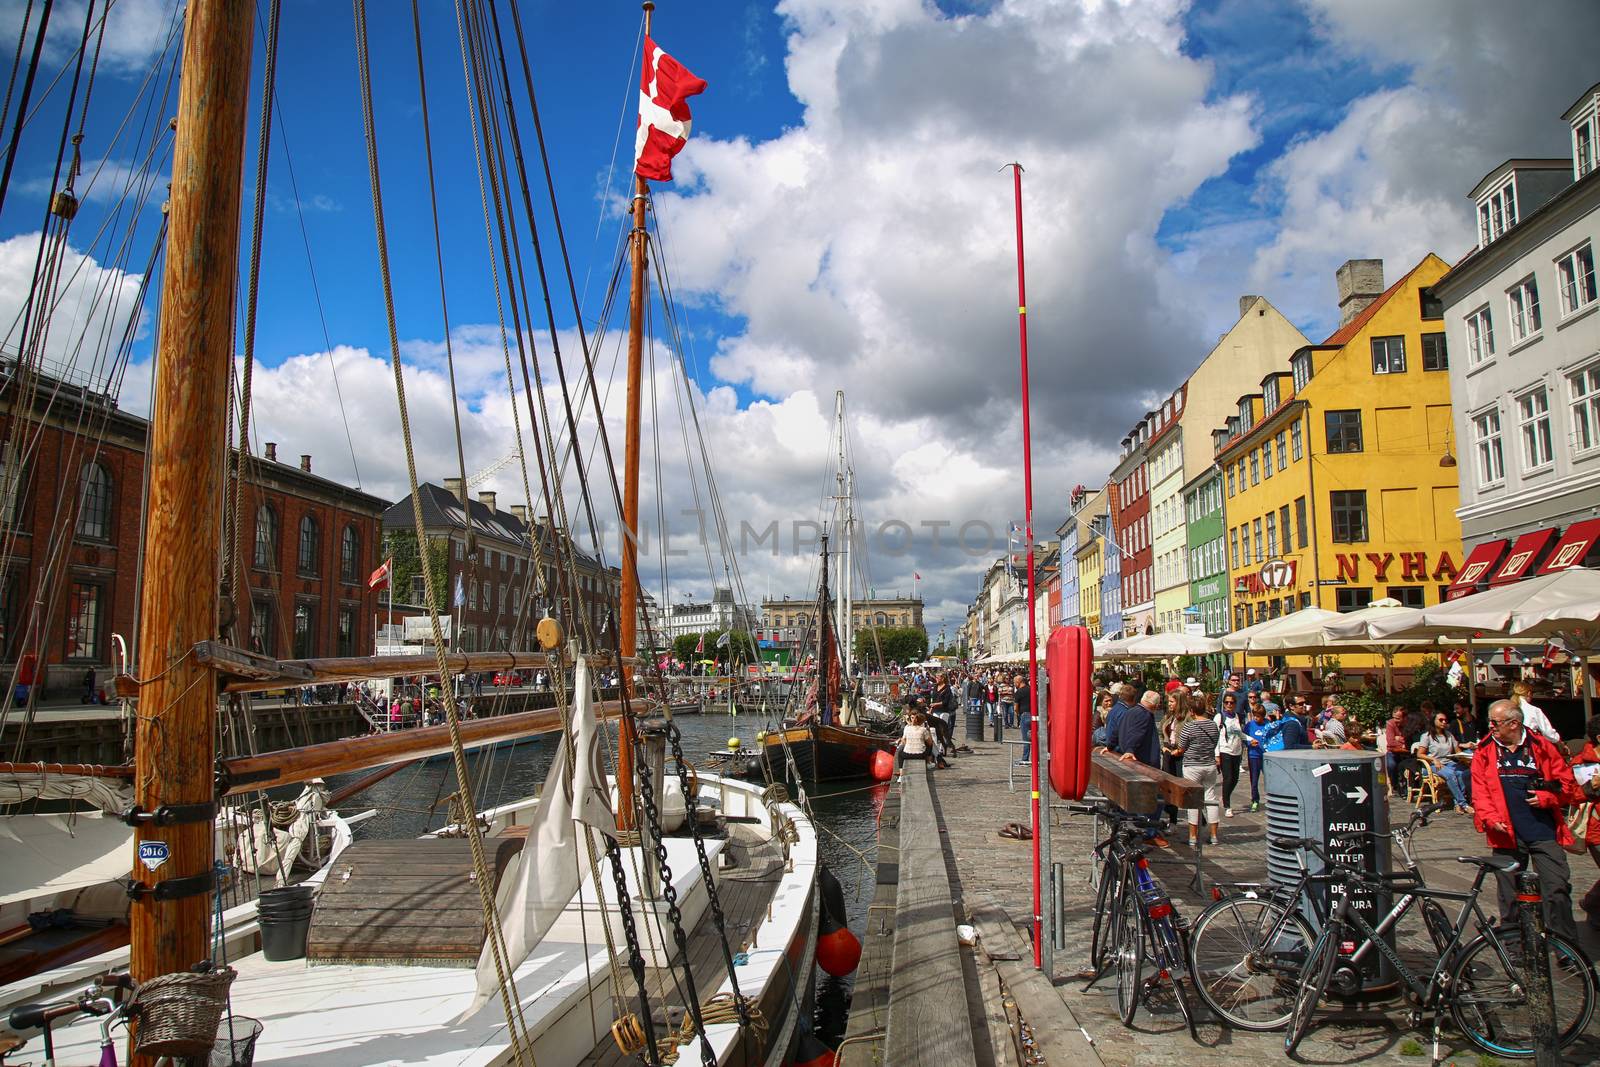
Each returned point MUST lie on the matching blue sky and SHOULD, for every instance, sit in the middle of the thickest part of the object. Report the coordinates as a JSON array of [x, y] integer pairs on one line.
[[840, 219]]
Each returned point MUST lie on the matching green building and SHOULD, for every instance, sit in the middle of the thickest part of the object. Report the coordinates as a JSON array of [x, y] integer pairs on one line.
[[1208, 558]]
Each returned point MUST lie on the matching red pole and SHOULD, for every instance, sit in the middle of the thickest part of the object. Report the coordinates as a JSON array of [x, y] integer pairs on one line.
[[1027, 504]]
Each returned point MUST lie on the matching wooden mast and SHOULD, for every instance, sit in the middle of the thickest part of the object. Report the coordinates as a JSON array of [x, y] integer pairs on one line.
[[628, 602], [175, 744]]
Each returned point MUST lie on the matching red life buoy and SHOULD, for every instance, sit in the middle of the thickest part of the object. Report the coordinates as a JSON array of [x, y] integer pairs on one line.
[[1069, 656]]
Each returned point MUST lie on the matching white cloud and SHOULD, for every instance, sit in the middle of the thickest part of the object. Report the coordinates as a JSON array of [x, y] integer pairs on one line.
[[89, 308]]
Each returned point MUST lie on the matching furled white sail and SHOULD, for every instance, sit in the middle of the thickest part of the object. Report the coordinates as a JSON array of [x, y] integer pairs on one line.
[[547, 875]]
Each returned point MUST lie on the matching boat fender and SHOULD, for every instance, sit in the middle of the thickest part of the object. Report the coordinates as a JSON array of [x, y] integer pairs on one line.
[[734, 744], [882, 766], [838, 950]]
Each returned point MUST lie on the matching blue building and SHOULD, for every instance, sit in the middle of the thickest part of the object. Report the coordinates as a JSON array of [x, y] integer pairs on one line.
[[1110, 578]]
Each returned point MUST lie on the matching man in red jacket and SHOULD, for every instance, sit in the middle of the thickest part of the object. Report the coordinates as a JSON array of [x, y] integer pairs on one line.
[[1517, 818]]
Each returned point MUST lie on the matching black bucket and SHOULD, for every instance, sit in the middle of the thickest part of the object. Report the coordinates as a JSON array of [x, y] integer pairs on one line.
[[298, 894], [284, 939]]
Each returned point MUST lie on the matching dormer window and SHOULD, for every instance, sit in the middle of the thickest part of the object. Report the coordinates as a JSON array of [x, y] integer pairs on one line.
[[1246, 415], [1301, 366], [1270, 392], [1585, 135], [1497, 212]]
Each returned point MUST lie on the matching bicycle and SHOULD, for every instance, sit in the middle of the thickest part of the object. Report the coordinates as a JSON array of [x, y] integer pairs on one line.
[[103, 998], [1246, 950], [1135, 919], [1485, 989]]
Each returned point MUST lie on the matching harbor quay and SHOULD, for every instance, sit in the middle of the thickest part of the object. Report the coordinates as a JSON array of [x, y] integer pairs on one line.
[[1074, 1021]]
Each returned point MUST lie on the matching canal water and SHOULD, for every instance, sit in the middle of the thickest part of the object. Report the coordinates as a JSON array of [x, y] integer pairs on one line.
[[415, 800]]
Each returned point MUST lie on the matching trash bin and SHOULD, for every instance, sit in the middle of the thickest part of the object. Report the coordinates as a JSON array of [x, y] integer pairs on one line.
[[974, 723], [1323, 793]]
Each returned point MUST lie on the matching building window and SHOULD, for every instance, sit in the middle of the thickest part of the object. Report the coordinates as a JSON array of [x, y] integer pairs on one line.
[[1524, 304], [85, 615], [1269, 395], [1300, 521], [1272, 535], [1583, 146], [261, 634], [1497, 213], [1583, 391], [1283, 450], [1266, 459], [349, 555], [1486, 437], [1256, 530], [1429, 305], [266, 537], [1344, 431], [1480, 336], [1388, 355], [1255, 468], [10, 485], [94, 509], [1434, 356], [1409, 595], [1300, 365], [347, 631], [1296, 444], [305, 629], [1233, 546], [1576, 270], [1348, 508], [1353, 598], [1533, 422], [306, 560]]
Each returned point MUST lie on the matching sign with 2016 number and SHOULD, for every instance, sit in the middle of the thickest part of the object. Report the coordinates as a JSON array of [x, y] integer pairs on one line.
[[154, 853]]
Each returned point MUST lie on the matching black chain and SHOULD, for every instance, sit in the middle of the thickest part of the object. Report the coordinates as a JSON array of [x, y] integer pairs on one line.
[[691, 807], [669, 893], [635, 957]]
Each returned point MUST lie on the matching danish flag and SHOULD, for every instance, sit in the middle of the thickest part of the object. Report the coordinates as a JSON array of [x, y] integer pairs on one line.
[[665, 86], [379, 579]]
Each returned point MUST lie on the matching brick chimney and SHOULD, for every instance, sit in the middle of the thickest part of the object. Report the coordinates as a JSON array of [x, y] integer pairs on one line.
[[453, 487], [272, 451], [1360, 283], [1245, 302], [305, 462], [487, 497], [521, 512]]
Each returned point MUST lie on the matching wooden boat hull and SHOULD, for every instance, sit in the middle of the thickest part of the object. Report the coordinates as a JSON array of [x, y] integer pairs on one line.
[[823, 753]]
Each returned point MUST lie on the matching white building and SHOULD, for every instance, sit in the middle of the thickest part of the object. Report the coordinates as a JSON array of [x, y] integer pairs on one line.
[[1523, 335]]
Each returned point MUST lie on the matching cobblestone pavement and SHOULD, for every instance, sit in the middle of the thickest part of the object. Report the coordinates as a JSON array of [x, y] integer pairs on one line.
[[976, 803]]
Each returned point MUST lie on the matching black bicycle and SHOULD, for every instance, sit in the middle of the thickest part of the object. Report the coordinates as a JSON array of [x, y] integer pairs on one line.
[[1482, 982], [1135, 921]]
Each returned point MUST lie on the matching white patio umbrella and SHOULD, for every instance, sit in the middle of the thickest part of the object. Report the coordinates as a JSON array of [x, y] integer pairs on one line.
[[1167, 646], [1562, 607], [1115, 649], [1343, 632], [1253, 638]]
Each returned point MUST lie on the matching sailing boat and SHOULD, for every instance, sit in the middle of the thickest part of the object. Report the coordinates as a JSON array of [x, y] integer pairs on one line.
[[412, 939], [831, 739]]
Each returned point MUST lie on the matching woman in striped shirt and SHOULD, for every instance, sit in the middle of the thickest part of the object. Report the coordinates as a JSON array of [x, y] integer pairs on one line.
[[1197, 745]]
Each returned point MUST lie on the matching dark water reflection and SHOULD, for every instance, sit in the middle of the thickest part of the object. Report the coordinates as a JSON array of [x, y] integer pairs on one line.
[[415, 800]]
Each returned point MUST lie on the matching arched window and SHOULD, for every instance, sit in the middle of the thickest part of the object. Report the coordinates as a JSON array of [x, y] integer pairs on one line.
[[349, 555], [266, 556], [94, 510], [307, 559], [881, 619]]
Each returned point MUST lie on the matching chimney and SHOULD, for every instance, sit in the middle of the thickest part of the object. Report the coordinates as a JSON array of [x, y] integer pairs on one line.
[[488, 500], [521, 512], [1245, 302], [305, 462], [272, 451], [453, 487], [1360, 283]]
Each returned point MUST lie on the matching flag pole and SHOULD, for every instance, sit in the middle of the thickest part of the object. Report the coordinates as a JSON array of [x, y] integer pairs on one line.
[[1027, 503]]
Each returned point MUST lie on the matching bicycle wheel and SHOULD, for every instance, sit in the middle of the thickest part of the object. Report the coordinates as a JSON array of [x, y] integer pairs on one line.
[[1313, 982], [1245, 956], [1170, 959], [1103, 933], [1490, 1003], [1129, 953]]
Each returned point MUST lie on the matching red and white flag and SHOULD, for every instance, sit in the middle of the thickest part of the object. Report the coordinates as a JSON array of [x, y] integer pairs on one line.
[[379, 579], [665, 86], [701, 646], [1549, 656]]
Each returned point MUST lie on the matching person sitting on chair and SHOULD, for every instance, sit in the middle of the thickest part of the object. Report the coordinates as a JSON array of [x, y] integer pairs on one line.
[[1435, 748]]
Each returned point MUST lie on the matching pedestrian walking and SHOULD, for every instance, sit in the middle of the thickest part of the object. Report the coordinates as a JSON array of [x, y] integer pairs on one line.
[[1255, 739], [1138, 739], [1024, 701], [1202, 764], [1008, 701], [1520, 783], [1230, 749]]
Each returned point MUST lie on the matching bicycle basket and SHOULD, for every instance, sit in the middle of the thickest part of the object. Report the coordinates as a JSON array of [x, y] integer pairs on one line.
[[179, 1013], [236, 1042]]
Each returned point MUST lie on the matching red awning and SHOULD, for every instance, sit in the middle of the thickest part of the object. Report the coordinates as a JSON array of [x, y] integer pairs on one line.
[[1573, 546], [1475, 571], [1519, 561]]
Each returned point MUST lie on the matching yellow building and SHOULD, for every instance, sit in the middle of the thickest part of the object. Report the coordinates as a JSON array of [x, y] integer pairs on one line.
[[1339, 475], [1091, 566]]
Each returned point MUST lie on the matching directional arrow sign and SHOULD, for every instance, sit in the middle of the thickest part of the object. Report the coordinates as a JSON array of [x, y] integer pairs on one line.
[[1360, 795]]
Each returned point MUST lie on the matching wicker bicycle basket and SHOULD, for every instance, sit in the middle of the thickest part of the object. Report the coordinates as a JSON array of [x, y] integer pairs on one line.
[[179, 1013]]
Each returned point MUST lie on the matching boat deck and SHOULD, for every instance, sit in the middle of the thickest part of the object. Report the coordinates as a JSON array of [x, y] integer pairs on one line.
[[745, 891]]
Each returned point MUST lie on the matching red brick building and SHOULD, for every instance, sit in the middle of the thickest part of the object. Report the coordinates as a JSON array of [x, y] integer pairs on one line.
[[71, 520]]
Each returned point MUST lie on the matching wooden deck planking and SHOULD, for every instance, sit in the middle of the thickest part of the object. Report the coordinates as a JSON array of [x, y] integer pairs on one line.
[[869, 1001]]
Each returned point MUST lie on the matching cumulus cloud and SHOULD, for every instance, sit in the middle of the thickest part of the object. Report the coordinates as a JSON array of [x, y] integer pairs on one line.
[[136, 31], [86, 312]]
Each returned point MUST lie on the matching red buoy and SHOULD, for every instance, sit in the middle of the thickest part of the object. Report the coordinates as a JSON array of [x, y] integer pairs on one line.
[[882, 766], [810, 1052], [839, 952]]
